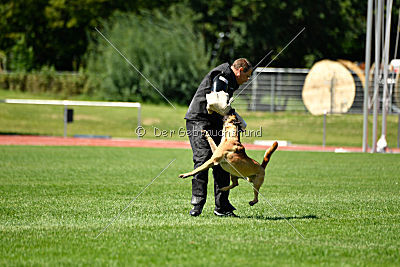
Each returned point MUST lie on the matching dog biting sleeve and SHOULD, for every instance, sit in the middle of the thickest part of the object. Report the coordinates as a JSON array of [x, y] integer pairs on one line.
[[218, 99]]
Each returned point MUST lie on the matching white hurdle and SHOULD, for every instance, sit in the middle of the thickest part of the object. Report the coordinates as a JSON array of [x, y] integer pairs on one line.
[[67, 103]]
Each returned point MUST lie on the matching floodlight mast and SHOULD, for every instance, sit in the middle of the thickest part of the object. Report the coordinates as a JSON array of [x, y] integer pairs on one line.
[[367, 68], [397, 35], [385, 100], [378, 26]]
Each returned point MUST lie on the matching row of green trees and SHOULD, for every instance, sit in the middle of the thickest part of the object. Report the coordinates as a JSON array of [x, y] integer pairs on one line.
[[173, 43], [37, 33], [57, 32]]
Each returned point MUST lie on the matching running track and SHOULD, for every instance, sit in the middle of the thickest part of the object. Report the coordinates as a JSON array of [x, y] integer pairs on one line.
[[114, 142]]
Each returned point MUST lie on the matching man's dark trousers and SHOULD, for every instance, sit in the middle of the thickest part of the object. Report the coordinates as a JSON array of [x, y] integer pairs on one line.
[[201, 153]]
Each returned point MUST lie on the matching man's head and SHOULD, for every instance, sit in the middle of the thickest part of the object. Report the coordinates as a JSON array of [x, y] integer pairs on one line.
[[242, 69]]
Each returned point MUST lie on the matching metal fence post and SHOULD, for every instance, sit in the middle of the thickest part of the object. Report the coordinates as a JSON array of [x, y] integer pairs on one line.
[[278, 91], [273, 82], [254, 86], [398, 132], [65, 120], [139, 118], [324, 130], [333, 84]]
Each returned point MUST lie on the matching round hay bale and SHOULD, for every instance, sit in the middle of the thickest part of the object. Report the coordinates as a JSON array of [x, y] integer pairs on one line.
[[353, 67], [329, 87], [359, 79]]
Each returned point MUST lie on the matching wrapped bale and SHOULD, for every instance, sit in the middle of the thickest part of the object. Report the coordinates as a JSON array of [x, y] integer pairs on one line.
[[329, 87], [359, 79]]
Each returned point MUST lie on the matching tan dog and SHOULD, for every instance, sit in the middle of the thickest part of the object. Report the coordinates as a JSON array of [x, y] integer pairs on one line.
[[231, 155]]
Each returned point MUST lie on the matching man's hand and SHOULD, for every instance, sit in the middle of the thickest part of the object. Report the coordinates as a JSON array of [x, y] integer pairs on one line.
[[243, 124]]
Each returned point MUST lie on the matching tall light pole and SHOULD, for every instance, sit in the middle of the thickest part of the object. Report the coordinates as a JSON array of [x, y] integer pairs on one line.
[[367, 67], [385, 102], [378, 16]]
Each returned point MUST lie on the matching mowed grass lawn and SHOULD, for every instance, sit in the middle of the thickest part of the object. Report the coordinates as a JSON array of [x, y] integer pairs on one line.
[[54, 201]]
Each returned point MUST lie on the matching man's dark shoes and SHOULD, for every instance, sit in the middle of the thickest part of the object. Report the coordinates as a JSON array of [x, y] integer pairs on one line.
[[196, 211], [225, 214]]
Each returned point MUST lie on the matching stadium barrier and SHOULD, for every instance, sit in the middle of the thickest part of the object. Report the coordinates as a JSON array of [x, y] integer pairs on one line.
[[67, 103]]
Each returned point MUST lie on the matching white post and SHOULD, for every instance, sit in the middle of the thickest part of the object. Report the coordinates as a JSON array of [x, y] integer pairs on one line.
[[367, 67], [385, 100], [378, 9]]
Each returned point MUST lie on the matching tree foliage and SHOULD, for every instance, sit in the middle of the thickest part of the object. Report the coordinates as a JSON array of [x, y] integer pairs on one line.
[[251, 28], [163, 48], [56, 32]]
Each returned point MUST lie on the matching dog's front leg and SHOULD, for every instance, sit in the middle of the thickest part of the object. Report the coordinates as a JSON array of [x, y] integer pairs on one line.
[[235, 183], [208, 164], [210, 141]]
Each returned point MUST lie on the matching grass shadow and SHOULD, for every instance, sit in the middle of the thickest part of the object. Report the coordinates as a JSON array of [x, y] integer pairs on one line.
[[305, 217], [18, 133]]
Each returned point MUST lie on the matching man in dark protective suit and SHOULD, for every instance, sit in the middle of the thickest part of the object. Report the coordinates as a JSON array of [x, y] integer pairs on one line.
[[209, 104]]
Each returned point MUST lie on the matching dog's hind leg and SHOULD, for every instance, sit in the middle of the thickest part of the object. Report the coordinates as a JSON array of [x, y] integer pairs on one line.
[[210, 141], [235, 183], [257, 182]]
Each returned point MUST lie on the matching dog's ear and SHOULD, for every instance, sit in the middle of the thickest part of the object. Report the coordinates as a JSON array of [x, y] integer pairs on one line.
[[225, 118]]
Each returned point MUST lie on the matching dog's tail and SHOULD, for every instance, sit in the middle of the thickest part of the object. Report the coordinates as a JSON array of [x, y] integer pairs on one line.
[[268, 154]]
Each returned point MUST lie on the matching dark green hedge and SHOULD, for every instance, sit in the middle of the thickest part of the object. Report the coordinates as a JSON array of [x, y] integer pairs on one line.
[[165, 49], [48, 81]]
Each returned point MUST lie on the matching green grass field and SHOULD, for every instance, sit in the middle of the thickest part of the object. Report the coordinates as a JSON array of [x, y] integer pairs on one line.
[[298, 128], [56, 200]]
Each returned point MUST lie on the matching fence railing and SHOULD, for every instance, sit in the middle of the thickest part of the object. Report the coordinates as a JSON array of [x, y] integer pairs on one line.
[[280, 89]]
